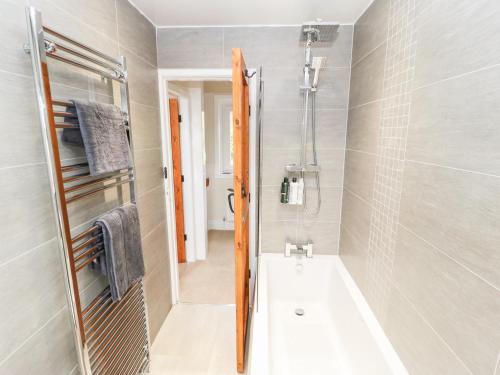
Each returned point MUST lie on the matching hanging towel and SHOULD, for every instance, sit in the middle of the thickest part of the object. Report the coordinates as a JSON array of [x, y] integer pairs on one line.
[[132, 236], [122, 257], [72, 136], [102, 130]]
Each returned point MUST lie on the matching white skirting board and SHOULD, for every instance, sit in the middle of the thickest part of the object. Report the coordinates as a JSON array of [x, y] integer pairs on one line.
[[220, 225]]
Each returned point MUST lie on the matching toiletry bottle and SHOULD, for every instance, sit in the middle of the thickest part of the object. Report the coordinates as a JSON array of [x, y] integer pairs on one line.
[[285, 188], [300, 191], [292, 196]]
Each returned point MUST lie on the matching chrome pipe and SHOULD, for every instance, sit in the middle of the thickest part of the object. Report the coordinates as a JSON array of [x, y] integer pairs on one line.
[[105, 294], [81, 45], [86, 67], [85, 233], [58, 46], [110, 315], [84, 185], [108, 347], [95, 191]]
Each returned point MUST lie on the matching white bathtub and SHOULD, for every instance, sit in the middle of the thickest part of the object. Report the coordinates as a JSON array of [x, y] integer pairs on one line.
[[337, 335]]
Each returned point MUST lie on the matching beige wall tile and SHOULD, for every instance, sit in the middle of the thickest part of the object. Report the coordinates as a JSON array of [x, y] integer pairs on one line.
[[370, 29], [136, 32], [457, 212], [275, 234], [461, 308], [33, 291], [441, 54], [50, 351], [190, 47], [27, 218], [419, 347], [360, 173], [367, 78], [363, 125], [455, 122]]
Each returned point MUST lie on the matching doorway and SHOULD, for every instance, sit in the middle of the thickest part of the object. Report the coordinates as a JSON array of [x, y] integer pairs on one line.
[[202, 158], [205, 282]]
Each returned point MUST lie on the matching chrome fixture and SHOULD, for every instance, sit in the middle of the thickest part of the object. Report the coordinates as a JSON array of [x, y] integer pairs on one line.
[[299, 250], [299, 311], [311, 32]]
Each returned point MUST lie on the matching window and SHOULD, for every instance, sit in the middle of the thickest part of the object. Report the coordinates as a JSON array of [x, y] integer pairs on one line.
[[224, 113]]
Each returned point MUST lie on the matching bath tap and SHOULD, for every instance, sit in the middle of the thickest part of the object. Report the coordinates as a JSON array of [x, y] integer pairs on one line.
[[306, 249]]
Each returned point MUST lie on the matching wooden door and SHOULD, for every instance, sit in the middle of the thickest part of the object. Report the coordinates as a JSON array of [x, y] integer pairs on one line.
[[175, 136], [241, 201]]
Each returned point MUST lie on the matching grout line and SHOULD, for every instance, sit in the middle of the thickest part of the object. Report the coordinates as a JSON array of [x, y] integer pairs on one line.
[[430, 326], [449, 256], [73, 370], [367, 103], [363, 12], [83, 22], [144, 193], [32, 335], [345, 145], [452, 168], [142, 13], [236, 26], [497, 366], [457, 76], [23, 165], [144, 105], [363, 57], [162, 223], [362, 152], [26, 252], [130, 51], [117, 28], [358, 196], [16, 74]]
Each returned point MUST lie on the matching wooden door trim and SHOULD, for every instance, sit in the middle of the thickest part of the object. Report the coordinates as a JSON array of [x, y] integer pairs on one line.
[[177, 178]]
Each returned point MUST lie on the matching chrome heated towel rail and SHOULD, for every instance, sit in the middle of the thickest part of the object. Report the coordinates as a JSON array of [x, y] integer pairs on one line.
[[111, 337]]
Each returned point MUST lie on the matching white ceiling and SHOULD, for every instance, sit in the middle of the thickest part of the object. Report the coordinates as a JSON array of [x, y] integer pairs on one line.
[[244, 12]]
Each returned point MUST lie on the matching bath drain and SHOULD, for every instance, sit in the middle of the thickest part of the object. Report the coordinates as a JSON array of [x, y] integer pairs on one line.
[[299, 312]]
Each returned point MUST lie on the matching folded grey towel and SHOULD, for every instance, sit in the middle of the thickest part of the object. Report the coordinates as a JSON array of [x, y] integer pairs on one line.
[[122, 258], [104, 136]]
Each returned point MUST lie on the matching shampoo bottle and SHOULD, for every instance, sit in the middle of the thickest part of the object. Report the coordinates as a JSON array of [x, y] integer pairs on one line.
[[300, 191], [292, 197], [285, 189]]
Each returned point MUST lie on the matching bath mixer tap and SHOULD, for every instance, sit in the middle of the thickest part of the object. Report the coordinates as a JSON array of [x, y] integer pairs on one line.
[[296, 249]]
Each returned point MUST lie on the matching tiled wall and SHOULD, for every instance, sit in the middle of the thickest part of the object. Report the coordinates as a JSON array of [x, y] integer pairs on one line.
[[35, 330], [420, 212], [281, 54]]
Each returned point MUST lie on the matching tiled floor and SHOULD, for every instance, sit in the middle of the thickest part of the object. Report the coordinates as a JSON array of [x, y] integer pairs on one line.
[[198, 336], [211, 280], [196, 340]]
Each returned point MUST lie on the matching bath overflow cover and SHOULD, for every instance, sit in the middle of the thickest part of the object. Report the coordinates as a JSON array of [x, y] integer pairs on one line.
[[299, 311]]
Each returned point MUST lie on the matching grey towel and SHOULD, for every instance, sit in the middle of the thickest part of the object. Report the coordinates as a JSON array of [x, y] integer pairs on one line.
[[72, 136], [104, 136], [122, 258]]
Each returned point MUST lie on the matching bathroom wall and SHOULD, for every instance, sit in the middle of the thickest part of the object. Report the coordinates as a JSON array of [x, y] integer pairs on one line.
[[420, 210], [217, 189], [35, 329], [281, 54]]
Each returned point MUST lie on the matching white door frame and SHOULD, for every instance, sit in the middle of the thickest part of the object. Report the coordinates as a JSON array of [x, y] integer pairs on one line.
[[164, 76]]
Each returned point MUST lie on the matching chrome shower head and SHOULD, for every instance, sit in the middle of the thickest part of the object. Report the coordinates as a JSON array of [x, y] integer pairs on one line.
[[319, 31]]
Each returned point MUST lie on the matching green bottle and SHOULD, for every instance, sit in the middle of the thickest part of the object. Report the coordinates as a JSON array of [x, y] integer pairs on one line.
[[285, 187]]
